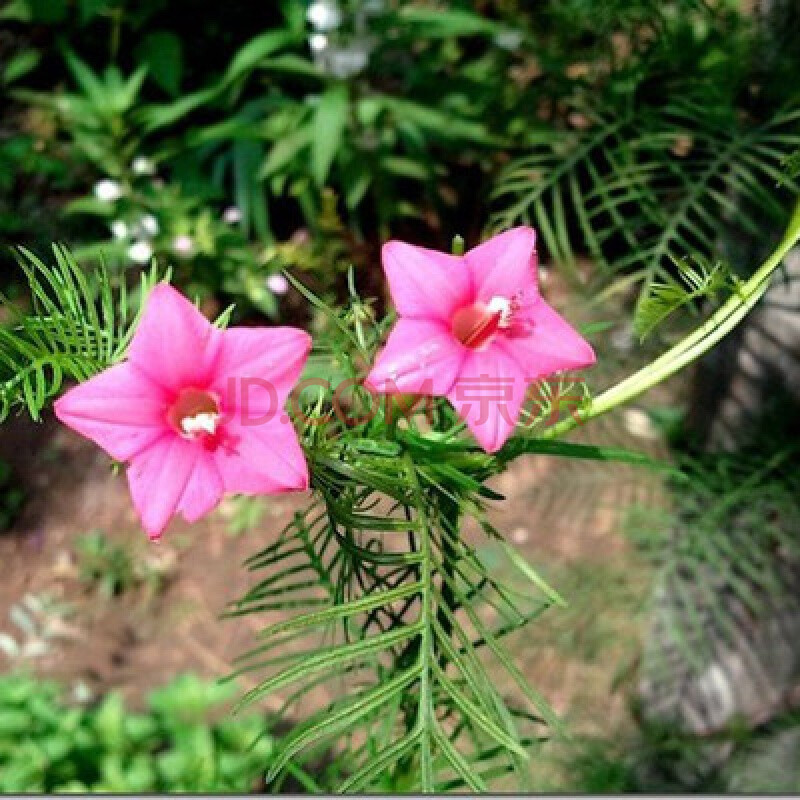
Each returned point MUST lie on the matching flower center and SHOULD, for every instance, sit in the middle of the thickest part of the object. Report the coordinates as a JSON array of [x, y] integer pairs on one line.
[[475, 325], [195, 413]]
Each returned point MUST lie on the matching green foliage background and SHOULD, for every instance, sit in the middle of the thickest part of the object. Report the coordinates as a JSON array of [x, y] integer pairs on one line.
[[184, 741], [626, 130]]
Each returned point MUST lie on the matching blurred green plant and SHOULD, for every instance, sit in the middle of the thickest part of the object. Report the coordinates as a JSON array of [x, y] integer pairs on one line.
[[29, 176], [244, 514], [220, 180], [178, 744], [78, 323], [635, 127], [113, 568], [104, 564], [660, 759], [736, 550], [146, 217]]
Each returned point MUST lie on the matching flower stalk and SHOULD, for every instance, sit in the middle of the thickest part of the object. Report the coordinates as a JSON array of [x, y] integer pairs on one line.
[[693, 345]]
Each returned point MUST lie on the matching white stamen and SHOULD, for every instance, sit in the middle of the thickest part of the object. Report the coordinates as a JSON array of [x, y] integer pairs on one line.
[[204, 422], [504, 306]]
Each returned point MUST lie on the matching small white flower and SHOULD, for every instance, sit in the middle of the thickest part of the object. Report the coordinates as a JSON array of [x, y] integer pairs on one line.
[[107, 190], [277, 284], [119, 229], [142, 165], [149, 225], [140, 252], [348, 61], [317, 42], [232, 215], [324, 16], [183, 245], [508, 40]]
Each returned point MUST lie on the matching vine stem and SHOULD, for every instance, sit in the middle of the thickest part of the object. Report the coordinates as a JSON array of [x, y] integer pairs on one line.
[[419, 715], [450, 521], [692, 346], [427, 653]]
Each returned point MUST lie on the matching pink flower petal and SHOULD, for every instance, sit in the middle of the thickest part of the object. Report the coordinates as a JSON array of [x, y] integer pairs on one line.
[[262, 459], [257, 368], [545, 343], [120, 409], [158, 478], [420, 357], [205, 488], [505, 265], [174, 343], [425, 284], [488, 395]]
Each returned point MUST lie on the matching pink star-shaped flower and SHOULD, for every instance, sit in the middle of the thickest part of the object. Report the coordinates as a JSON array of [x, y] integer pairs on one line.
[[196, 412], [474, 329]]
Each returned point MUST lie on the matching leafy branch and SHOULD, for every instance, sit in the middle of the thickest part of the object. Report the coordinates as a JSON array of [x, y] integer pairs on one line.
[[692, 346], [77, 326], [387, 608], [665, 297], [640, 188]]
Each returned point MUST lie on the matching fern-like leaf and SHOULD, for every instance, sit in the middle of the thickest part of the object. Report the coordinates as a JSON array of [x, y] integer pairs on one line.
[[698, 281], [78, 325], [640, 190]]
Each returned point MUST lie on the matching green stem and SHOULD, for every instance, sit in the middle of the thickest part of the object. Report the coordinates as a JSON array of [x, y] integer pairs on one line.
[[450, 520], [424, 717], [691, 347]]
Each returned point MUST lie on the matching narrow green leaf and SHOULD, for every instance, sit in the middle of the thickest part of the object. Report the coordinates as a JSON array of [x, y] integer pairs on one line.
[[257, 49], [162, 53], [366, 603], [328, 127], [531, 574], [379, 762], [20, 65], [332, 722], [331, 658], [459, 763], [476, 715], [533, 445]]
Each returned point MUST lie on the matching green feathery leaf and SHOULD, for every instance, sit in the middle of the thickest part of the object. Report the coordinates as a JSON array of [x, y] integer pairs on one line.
[[78, 325]]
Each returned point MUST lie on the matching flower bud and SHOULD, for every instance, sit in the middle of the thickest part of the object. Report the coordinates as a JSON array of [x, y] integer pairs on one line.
[[277, 284]]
